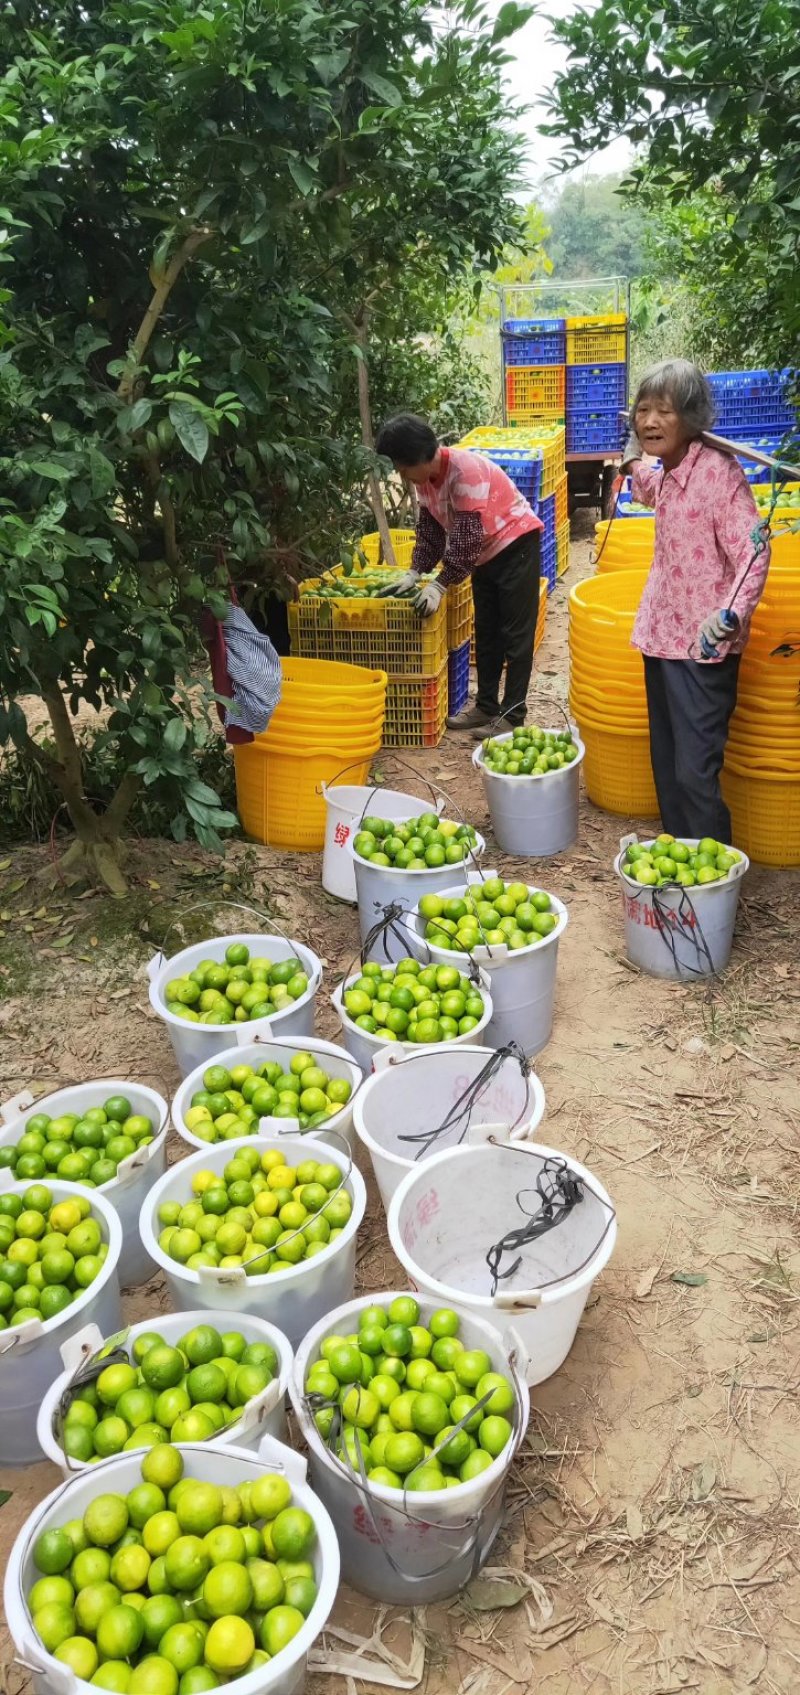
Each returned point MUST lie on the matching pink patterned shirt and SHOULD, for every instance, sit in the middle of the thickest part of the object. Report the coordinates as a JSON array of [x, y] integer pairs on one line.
[[705, 517], [472, 487]]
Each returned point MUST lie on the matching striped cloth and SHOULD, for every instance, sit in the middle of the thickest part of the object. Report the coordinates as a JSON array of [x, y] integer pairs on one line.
[[255, 673]]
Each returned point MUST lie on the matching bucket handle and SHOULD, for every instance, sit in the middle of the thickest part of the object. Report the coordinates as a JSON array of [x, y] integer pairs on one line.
[[461, 1109], [509, 1300], [155, 964], [361, 1483], [215, 1275], [439, 796]]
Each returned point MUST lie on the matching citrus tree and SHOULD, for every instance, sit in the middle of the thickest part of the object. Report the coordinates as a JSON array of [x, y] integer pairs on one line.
[[710, 97], [201, 207]]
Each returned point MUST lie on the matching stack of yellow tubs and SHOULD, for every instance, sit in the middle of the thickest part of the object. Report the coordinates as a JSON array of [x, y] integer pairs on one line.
[[607, 694], [330, 719], [761, 778]]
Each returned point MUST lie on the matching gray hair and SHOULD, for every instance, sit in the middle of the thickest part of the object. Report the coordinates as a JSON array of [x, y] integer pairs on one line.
[[683, 383]]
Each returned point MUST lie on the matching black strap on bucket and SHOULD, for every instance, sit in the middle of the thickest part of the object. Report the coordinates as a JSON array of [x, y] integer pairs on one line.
[[391, 923], [559, 1190], [680, 922], [460, 1115]]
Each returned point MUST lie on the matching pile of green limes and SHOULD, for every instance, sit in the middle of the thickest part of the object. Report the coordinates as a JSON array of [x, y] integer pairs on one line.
[[420, 844], [409, 1002], [260, 1213], [241, 989], [181, 1393], [82, 1147], [178, 1586], [667, 860], [51, 1251], [397, 1390], [531, 752], [231, 1102]]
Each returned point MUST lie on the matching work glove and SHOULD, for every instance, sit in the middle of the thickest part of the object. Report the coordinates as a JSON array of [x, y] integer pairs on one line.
[[429, 599], [401, 585], [631, 451], [720, 627]]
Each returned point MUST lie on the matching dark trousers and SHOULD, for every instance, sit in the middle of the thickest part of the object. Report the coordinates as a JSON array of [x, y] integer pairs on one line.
[[689, 707], [505, 592]]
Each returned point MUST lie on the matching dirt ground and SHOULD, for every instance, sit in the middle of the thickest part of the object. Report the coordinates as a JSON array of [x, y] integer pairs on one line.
[[651, 1541]]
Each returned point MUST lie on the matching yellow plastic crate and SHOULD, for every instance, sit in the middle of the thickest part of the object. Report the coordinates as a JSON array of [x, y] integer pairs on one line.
[[416, 710], [562, 549], [601, 339], [278, 791], [533, 390], [387, 635], [460, 614], [617, 769], [562, 502], [403, 542], [765, 812], [493, 435]]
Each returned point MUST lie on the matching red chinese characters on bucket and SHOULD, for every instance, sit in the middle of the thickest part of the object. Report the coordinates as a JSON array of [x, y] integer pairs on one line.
[[426, 1209], [341, 834], [645, 915]]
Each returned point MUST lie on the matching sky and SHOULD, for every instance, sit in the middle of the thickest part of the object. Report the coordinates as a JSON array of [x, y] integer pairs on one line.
[[537, 60]]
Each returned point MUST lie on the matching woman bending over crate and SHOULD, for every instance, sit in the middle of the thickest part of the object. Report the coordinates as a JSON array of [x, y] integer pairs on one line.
[[708, 572], [473, 519]]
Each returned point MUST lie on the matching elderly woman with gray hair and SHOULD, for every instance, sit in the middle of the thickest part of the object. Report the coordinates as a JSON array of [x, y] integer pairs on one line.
[[706, 578]]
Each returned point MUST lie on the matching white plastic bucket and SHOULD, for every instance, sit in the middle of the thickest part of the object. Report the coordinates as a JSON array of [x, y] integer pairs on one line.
[[449, 1212], [197, 1044], [533, 816], [417, 1090], [345, 803], [381, 886], [522, 981], [229, 1466], [265, 1415], [135, 1175], [410, 1548], [333, 1059], [364, 1047], [29, 1353], [682, 933], [293, 1299]]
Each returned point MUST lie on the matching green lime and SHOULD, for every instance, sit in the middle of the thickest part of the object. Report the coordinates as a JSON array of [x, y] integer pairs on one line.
[[144, 1500], [186, 1563], [182, 1646], [93, 1603], [159, 1613], [153, 1676], [270, 1496], [278, 1627], [225, 1542], [129, 1569], [301, 1592], [114, 1675], [91, 1565], [163, 1367], [105, 1521], [54, 1624], [230, 1644], [267, 1584], [164, 1466], [52, 1552], [119, 1633], [293, 1533], [49, 1592], [227, 1589], [79, 1654], [198, 1680], [494, 1434]]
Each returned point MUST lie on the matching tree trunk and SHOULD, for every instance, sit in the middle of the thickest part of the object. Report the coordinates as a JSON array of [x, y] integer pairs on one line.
[[95, 854], [361, 328]]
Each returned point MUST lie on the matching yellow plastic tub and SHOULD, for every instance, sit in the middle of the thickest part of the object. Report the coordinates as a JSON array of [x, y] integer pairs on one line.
[[765, 810], [617, 769], [278, 789]]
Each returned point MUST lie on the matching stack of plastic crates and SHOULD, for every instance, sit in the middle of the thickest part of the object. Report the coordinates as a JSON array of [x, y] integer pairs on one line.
[[597, 382], [553, 511], [750, 404], [534, 356], [544, 444]]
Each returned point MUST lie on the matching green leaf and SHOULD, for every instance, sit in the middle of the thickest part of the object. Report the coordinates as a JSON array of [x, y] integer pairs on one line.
[[48, 468], [175, 735], [140, 413], [5, 1495], [190, 429], [692, 1279], [330, 65], [380, 85], [302, 176]]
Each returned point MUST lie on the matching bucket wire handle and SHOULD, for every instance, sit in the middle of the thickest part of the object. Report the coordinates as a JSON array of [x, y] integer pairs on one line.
[[688, 926], [462, 1108], [340, 1137], [528, 1233], [214, 905], [418, 777]]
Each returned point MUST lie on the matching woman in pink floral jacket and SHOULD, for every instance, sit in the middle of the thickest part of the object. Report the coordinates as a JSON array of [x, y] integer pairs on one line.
[[703, 566]]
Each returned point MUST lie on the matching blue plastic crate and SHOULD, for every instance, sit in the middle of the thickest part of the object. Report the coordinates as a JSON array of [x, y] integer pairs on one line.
[[594, 432], [752, 403], [546, 510], [548, 563], [544, 340], [596, 388], [523, 466], [458, 678]]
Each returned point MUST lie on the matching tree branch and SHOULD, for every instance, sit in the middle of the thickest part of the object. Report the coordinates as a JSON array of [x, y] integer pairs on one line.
[[118, 808], [360, 330], [161, 292], [68, 770]]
